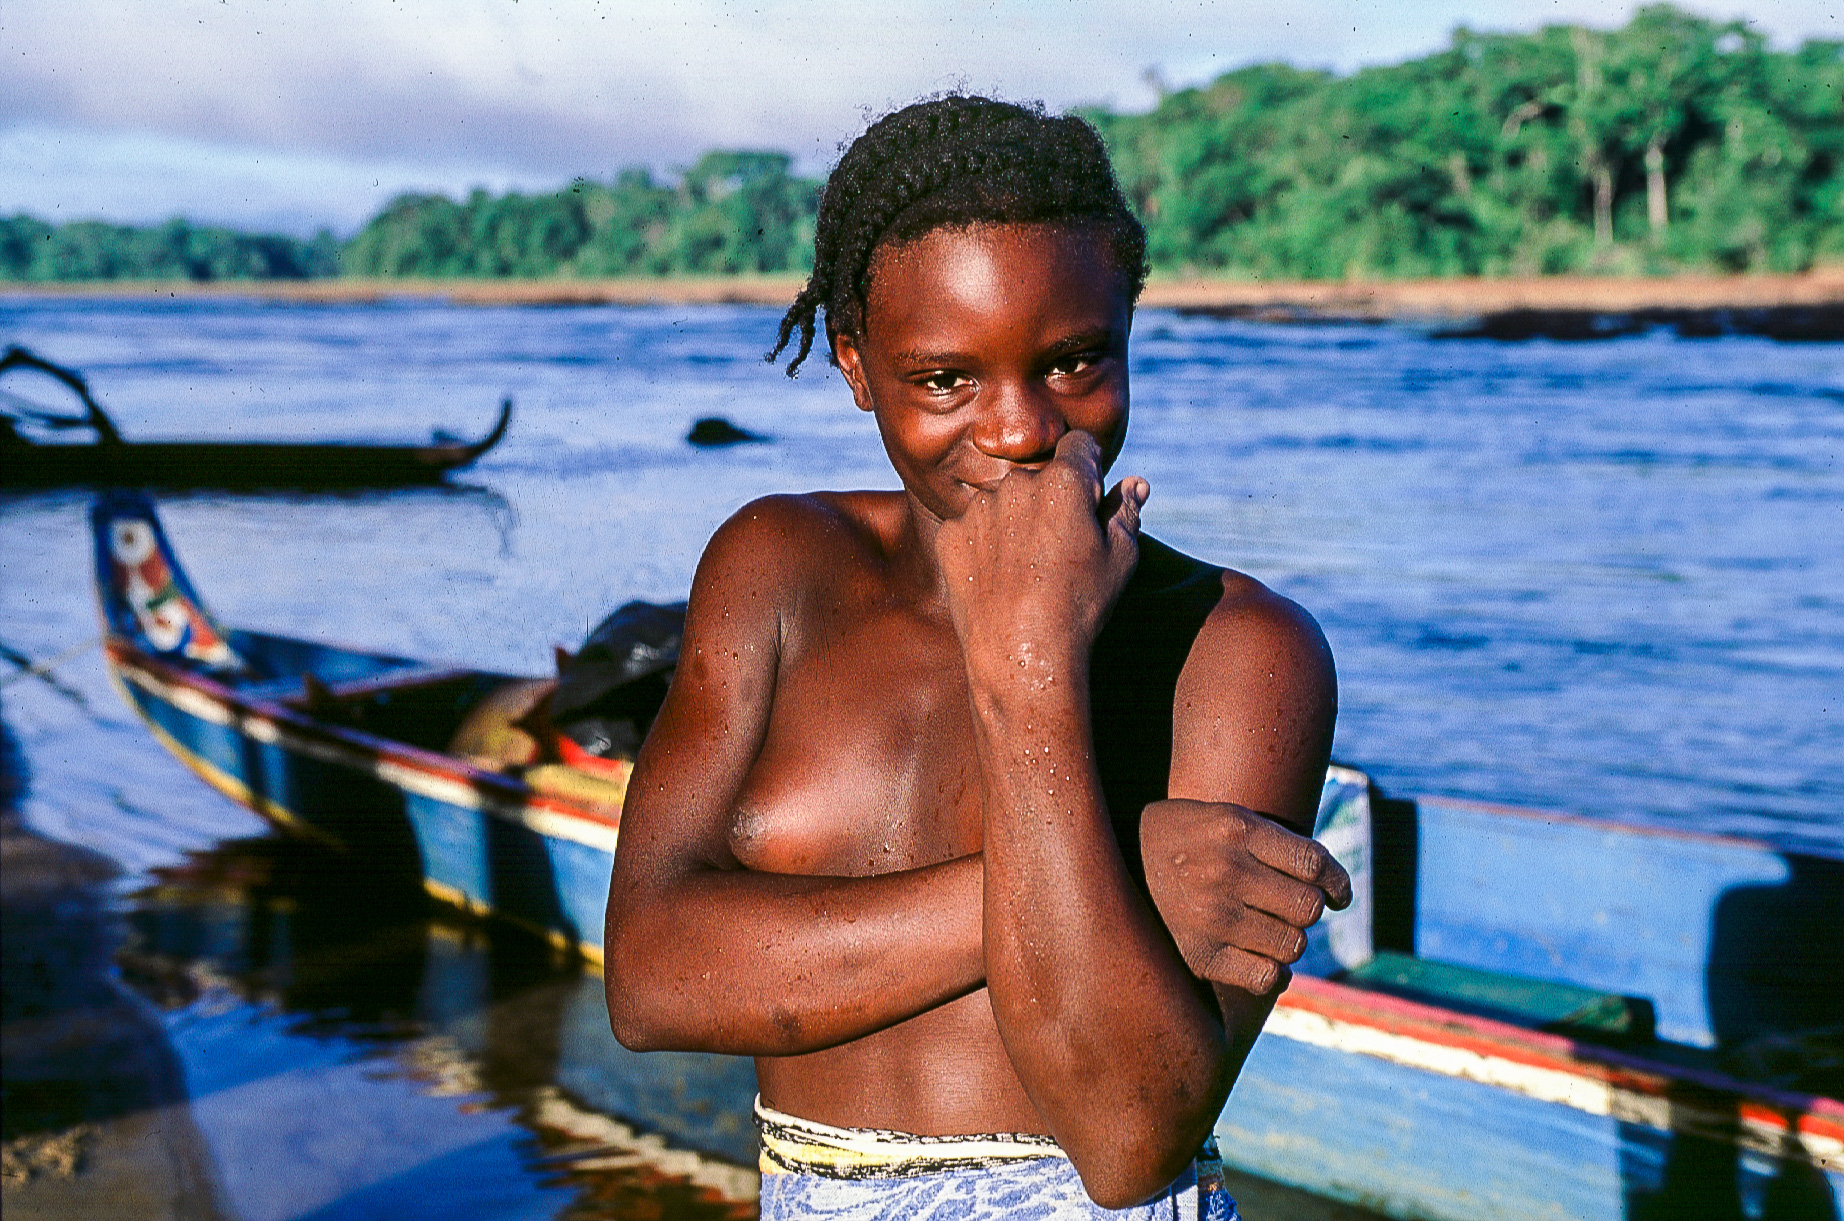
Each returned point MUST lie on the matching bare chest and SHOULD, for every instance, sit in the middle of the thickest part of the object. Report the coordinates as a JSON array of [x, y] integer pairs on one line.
[[868, 763]]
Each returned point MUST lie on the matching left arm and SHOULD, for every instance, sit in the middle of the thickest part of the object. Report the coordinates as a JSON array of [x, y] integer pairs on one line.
[[1118, 1049], [1101, 1011]]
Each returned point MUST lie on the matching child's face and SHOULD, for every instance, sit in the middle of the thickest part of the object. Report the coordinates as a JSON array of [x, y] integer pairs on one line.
[[982, 346]]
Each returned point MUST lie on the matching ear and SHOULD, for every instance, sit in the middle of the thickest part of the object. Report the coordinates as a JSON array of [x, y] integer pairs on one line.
[[851, 364]]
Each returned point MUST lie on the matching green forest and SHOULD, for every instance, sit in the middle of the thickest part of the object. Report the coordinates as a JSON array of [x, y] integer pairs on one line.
[[1673, 144]]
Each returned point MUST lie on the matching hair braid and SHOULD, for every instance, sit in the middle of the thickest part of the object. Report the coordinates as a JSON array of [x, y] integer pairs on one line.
[[950, 162]]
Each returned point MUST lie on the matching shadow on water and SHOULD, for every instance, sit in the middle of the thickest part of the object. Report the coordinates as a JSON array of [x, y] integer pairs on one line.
[[333, 953], [92, 1096], [59, 1011], [15, 772]]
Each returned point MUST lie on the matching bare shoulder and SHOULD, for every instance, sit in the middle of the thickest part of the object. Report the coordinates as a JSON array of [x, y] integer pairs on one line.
[[788, 525], [1254, 708], [778, 546], [760, 572], [1252, 627], [1228, 621]]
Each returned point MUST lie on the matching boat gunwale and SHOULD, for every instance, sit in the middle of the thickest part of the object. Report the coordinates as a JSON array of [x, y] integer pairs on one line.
[[123, 654], [1652, 830], [1619, 1068]]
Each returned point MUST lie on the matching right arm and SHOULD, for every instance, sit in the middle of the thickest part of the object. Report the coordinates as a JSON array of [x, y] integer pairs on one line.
[[705, 955]]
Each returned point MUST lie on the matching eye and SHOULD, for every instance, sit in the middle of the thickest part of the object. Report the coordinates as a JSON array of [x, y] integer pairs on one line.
[[943, 381], [1074, 363]]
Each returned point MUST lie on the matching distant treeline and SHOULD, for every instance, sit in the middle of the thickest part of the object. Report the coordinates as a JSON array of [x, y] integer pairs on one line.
[[1673, 144], [30, 249], [731, 212]]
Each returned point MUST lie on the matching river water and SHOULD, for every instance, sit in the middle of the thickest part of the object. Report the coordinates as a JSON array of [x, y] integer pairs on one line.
[[1605, 578]]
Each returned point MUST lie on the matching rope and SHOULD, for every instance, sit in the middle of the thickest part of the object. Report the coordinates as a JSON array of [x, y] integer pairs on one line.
[[41, 669]]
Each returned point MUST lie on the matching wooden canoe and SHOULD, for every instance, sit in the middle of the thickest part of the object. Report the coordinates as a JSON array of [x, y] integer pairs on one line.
[[1525, 1014], [109, 460]]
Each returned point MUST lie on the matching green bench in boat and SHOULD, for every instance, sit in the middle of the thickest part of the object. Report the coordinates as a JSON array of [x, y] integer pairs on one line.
[[1579, 1013]]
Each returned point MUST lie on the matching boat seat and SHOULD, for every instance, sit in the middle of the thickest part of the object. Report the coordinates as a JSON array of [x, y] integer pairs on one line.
[[1580, 1013], [597, 788]]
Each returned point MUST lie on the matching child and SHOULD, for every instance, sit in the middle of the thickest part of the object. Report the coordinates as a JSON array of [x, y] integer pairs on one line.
[[954, 815]]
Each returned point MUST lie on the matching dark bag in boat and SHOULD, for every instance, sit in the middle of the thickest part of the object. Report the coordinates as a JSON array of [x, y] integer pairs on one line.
[[608, 692]]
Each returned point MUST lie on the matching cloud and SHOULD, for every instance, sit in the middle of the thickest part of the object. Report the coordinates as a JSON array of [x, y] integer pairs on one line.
[[513, 90], [66, 174]]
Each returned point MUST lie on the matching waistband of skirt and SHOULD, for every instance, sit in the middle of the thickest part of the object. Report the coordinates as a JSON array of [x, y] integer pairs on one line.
[[792, 1145]]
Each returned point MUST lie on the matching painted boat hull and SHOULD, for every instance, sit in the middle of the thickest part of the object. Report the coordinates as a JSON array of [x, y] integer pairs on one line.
[[478, 839], [1422, 1112], [1415, 1109]]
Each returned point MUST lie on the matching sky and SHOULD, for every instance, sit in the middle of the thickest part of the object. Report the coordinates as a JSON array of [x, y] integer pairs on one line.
[[294, 115]]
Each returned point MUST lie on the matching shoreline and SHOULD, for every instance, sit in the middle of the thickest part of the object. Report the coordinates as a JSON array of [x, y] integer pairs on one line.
[[1433, 300]]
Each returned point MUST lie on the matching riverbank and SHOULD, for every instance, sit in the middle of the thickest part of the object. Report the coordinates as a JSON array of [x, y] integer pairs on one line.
[[1368, 300]]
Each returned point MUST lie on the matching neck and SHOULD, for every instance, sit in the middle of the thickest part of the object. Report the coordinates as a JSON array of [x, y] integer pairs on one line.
[[913, 560]]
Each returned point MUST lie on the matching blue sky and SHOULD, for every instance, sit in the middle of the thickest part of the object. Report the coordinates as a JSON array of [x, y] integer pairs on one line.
[[294, 114]]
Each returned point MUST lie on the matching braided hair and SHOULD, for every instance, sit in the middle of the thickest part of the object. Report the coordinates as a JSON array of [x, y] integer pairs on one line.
[[946, 163]]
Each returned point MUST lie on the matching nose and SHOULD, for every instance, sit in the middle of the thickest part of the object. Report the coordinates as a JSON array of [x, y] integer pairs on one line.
[[1018, 425]]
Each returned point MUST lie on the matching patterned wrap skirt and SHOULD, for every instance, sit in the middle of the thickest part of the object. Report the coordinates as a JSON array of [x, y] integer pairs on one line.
[[816, 1172]]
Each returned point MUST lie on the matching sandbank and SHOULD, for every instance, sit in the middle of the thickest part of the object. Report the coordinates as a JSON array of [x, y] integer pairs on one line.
[[1821, 289]]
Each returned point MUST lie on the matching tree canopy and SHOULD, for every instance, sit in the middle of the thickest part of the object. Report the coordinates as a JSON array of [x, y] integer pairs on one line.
[[1675, 143]]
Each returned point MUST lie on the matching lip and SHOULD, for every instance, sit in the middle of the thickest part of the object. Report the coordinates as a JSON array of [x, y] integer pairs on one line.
[[991, 483]]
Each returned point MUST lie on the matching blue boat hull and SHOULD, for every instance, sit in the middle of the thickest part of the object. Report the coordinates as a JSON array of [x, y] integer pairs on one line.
[[479, 841]]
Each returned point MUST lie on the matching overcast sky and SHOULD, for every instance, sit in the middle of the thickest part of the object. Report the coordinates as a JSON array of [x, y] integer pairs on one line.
[[294, 114]]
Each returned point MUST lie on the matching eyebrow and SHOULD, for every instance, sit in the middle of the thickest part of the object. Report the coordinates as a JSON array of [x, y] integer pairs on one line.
[[1100, 337], [932, 360]]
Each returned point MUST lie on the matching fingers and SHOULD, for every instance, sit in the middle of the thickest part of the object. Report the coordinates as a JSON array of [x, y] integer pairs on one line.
[[1120, 524], [1301, 858], [1081, 450], [1337, 887], [1259, 933], [1240, 969], [1123, 504], [1299, 904]]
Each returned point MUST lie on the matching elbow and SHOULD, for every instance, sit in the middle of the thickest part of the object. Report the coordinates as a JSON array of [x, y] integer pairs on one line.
[[633, 1027], [1128, 1154], [635, 1016], [1124, 1173]]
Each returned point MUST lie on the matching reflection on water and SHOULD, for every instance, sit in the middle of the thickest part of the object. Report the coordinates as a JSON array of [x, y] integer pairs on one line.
[[350, 1046]]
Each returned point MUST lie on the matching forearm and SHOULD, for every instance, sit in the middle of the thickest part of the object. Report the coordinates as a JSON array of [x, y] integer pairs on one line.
[[1123, 1057], [779, 964]]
